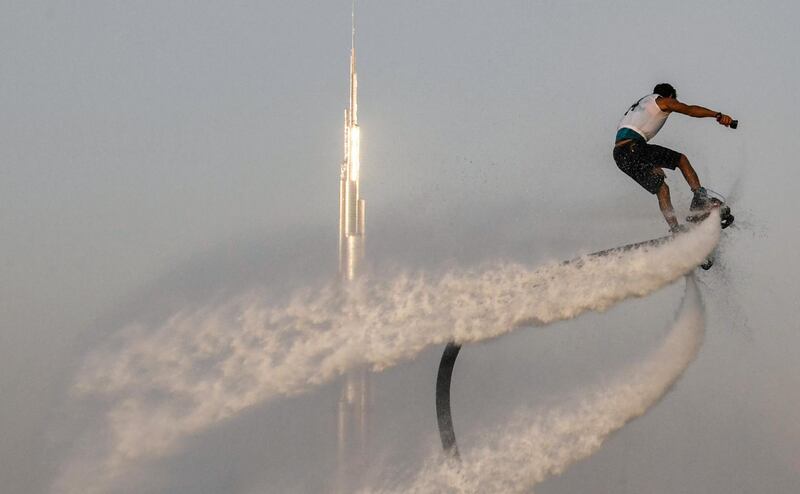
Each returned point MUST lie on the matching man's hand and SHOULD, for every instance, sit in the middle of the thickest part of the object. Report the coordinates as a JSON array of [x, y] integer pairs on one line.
[[724, 119]]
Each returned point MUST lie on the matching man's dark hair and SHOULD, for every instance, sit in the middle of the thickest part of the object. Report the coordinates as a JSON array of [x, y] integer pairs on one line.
[[665, 90]]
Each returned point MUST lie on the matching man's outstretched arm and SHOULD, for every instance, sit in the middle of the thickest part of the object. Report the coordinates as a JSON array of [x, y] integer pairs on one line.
[[672, 104]]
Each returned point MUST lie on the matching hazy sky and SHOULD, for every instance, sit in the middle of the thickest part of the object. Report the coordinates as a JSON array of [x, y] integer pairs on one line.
[[156, 154]]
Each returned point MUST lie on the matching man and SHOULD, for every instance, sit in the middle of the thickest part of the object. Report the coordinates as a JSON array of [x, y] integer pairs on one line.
[[645, 162]]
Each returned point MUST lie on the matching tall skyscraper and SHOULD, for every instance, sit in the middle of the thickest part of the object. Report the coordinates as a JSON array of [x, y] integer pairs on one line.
[[352, 425], [351, 206]]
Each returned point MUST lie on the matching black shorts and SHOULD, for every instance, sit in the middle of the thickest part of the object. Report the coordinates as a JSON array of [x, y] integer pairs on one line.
[[639, 161]]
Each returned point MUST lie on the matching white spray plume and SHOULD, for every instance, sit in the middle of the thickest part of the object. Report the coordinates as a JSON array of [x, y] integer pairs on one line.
[[533, 446], [204, 365]]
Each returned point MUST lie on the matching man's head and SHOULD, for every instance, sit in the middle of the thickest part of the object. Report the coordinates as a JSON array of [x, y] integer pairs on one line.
[[665, 90]]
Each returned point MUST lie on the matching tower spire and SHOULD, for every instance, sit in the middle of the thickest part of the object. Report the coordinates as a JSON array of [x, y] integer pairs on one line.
[[353, 110], [353, 40]]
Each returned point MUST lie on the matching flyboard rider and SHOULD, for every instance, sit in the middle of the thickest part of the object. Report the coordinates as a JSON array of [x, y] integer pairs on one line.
[[645, 162]]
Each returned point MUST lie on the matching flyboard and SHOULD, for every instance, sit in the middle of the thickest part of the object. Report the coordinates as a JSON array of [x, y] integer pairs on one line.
[[715, 200], [444, 416]]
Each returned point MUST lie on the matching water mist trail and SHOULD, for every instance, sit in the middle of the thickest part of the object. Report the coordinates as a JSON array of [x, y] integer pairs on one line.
[[200, 366], [533, 446]]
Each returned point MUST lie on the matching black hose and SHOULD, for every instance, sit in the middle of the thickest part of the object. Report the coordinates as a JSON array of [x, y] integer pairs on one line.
[[443, 416]]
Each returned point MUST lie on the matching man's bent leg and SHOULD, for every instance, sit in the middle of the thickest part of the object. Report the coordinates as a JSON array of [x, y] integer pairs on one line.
[[665, 204], [688, 173]]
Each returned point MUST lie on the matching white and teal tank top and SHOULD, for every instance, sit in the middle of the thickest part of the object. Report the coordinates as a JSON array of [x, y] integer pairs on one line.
[[644, 117]]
